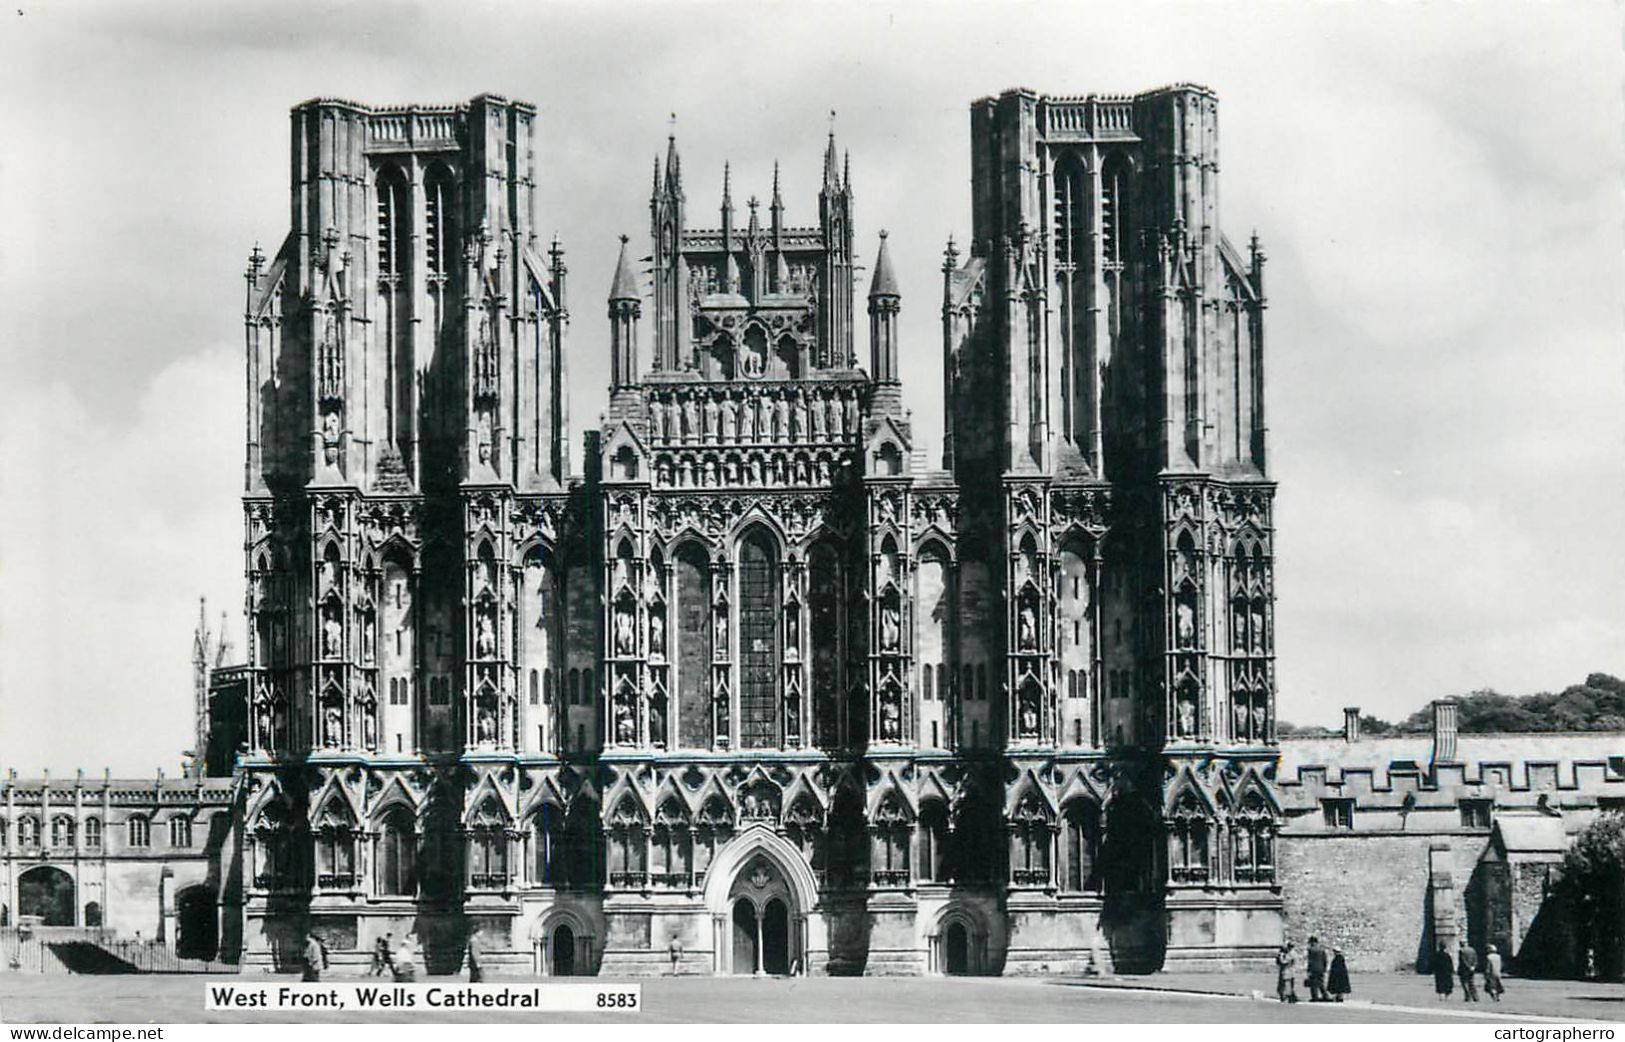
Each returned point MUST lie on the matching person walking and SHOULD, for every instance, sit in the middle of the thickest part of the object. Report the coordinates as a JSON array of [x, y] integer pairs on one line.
[[1466, 969], [1443, 972], [476, 954], [674, 952], [382, 956], [1337, 978], [1286, 973], [406, 970], [1492, 973], [1315, 961], [315, 958]]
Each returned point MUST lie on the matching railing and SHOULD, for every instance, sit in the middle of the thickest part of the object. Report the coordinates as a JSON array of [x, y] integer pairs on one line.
[[1092, 117], [890, 878], [1189, 874], [488, 880], [1030, 877], [1261, 874], [336, 881], [91, 950], [678, 880], [629, 880]]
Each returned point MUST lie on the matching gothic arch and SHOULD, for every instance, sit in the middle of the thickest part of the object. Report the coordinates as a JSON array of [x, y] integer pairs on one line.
[[752, 840]]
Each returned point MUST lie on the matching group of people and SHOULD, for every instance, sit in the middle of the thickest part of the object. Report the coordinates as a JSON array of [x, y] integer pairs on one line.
[[1464, 967], [1326, 973], [399, 961]]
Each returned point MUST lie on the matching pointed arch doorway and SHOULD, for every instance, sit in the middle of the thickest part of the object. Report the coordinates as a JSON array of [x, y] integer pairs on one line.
[[760, 927], [764, 907]]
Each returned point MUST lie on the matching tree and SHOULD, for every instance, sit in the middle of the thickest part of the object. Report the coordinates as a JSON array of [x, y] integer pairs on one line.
[[1594, 871]]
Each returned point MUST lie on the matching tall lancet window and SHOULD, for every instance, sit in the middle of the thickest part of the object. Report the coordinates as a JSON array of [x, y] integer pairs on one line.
[[758, 640], [1071, 225], [440, 220], [393, 237]]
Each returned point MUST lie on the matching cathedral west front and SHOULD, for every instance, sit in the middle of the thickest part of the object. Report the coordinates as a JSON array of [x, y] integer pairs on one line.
[[762, 689]]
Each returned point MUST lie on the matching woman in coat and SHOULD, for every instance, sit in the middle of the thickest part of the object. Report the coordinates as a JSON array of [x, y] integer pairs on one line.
[[1444, 972], [1337, 978], [1286, 973]]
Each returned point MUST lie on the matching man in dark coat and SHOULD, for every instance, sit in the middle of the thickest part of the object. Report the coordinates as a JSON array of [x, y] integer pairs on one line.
[[1315, 963], [1466, 968]]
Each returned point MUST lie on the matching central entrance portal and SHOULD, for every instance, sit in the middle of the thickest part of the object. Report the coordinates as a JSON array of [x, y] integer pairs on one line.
[[761, 920]]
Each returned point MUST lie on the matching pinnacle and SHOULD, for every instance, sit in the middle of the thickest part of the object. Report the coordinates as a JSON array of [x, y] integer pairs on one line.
[[625, 284], [885, 280]]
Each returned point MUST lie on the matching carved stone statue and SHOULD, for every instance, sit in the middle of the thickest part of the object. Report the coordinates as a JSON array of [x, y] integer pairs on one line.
[[657, 421], [792, 713], [1185, 624], [798, 419], [625, 728], [369, 727], [890, 721], [852, 414], [485, 639], [712, 422], [764, 418], [817, 417], [332, 637], [792, 632], [781, 418], [1187, 717], [722, 716], [657, 633], [487, 731], [835, 419], [691, 420], [1029, 716], [1258, 720], [890, 629], [625, 637], [1027, 627], [332, 725], [369, 642], [657, 721], [1239, 710], [262, 719], [719, 631], [730, 420]]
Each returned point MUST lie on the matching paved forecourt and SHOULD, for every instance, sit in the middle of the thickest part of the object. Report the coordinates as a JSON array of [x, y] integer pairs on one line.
[[157, 998]]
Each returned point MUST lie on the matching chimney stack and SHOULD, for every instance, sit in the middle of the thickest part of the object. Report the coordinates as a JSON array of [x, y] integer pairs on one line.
[[1351, 724], [1444, 731]]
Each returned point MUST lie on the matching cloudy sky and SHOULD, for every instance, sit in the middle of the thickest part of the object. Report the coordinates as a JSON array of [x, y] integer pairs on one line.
[[1438, 187]]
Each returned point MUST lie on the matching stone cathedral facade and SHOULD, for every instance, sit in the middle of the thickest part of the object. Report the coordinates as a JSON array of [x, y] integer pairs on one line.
[[762, 690]]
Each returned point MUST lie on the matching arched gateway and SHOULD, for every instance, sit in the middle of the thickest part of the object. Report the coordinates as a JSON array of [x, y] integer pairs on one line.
[[761, 896]]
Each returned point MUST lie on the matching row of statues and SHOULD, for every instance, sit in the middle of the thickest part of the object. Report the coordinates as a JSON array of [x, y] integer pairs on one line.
[[754, 470], [770, 416]]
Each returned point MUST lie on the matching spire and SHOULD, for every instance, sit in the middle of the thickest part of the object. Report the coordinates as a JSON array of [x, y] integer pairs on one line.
[[885, 281], [654, 189], [674, 166], [727, 185], [829, 155], [846, 171], [625, 284]]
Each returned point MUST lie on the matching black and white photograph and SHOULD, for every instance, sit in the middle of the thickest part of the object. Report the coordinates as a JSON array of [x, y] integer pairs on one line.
[[712, 512]]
